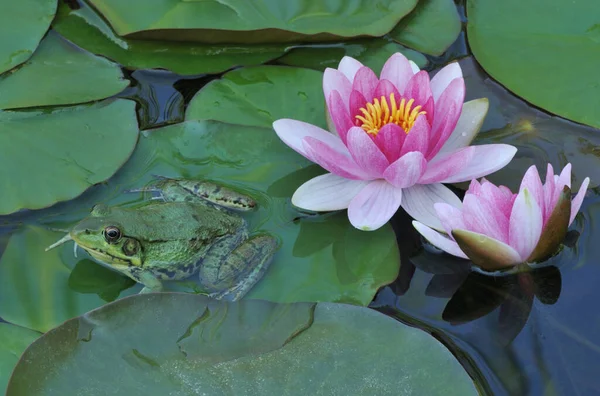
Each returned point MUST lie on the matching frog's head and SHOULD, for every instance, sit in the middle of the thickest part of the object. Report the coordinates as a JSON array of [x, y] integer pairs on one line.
[[105, 239]]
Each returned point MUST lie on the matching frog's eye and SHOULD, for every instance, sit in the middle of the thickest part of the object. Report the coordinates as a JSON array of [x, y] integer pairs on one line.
[[112, 234]]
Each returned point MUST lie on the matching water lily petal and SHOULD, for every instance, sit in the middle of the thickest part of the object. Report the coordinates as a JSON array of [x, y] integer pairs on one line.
[[366, 153], [480, 215], [335, 80], [526, 224], [406, 170], [449, 216], [468, 125], [501, 197], [474, 187], [338, 112], [565, 178], [447, 111], [439, 240], [418, 201], [397, 70], [549, 192], [417, 138], [418, 88], [293, 132], [482, 160], [335, 161], [532, 182], [374, 205], [385, 88], [443, 78], [349, 66], [414, 67], [365, 82], [327, 192], [446, 166], [357, 101], [485, 252], [390, 140], [555, 228], [578, 200]]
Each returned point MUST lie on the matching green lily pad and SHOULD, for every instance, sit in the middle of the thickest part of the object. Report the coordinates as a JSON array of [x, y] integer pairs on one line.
[[372, 53], [430, 28], [257, 96], [196, 345], [255, 21], [59, 73], [545, 51], [61, 153], [88, 30], [539, 137], [23, 23], [13, 341], [34, 290]]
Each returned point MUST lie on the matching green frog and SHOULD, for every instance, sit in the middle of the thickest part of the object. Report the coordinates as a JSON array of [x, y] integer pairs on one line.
[[189, 227]]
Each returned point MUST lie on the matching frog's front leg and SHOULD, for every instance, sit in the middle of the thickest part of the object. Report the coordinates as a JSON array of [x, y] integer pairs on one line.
[[150, 282], [235, 274]]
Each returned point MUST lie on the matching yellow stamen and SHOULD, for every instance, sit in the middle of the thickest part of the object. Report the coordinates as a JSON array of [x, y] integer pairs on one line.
[[377, 114]]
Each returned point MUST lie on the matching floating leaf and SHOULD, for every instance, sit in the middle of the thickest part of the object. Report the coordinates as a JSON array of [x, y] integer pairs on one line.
[[61, 153], [23, 23], [13, 341], [88, 30], [257, 96], [372, 53], [256, 21], [176, 344], [430, 28], [539, 137], [59, 73], [545, 51]]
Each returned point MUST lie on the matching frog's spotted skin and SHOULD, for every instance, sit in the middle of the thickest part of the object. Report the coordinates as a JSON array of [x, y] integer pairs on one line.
[[192, 232]]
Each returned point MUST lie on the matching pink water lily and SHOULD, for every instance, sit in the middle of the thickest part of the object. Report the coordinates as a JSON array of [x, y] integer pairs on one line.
[[394, 140], [497, 229]]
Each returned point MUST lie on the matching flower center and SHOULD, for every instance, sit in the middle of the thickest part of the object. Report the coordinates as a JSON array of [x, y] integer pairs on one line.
[[380, 113]]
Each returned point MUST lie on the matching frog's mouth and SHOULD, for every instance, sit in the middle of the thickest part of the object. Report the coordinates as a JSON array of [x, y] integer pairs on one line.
[[103, 257], [107, 258]]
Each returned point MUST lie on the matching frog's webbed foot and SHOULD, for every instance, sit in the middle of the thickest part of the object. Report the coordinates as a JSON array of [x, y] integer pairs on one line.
[[203, 192], [151, 284], [245, 266]]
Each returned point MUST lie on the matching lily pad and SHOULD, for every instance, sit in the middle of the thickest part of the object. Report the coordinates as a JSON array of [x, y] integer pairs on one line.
[[23, 23], [195, 345], [545, 51], [372, 53], [88, 30], [430, 28], [257, 96], [34, 290], [13, 341], [61, 153], [539, 137], [59, 73], [256, 21]]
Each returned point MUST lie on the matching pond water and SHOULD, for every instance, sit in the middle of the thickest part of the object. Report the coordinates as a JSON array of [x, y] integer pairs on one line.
[[529, 334]]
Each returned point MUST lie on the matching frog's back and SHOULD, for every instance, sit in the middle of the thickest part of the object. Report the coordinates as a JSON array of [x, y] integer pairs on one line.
[[178, 221]]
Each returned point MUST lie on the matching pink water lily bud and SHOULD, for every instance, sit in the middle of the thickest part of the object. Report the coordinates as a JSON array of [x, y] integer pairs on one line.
[[394, 140], [497, 229]]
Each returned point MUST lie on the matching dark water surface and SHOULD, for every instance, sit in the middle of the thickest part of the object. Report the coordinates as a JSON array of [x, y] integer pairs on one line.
[[528, 334]]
